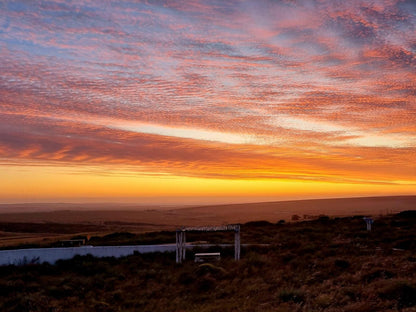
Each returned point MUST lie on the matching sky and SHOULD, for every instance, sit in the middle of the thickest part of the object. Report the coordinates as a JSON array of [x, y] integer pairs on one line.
[[195, 101]]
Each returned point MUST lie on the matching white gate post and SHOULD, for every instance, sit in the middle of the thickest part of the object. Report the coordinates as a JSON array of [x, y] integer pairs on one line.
[[177, 247], [369, 222], [237, 243], [183, 245]]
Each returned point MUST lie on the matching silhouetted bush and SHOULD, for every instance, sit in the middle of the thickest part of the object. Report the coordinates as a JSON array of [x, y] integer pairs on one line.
[[377, 273], [401, 291], [260, 223], [211, 269], [407, 214], [294, 295], [295, 217], [323, 218], [205, 283], [343, 264]]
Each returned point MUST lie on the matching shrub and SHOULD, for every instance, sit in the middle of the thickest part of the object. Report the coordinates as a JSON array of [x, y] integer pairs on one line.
[[402, 291], [406, 244], [407, 214], [205, 268], [377, 273], [290, 294], [343, 264], [205, 283], [259, 223], [186, 278], [324, 300], [295, 218], [323, 218]]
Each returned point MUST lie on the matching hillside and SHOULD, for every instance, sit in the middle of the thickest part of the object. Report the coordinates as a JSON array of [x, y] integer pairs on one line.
[[329, 264], [199, 215], [43, 227]]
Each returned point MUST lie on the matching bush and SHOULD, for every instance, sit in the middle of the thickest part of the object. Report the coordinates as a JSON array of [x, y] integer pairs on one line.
[[295, 218], [290, 294], [205, 283], [377, 273], [343, 264], [402, 291], [323, 218], [260, 223], [186, 278], [407, 214], [209, 268]]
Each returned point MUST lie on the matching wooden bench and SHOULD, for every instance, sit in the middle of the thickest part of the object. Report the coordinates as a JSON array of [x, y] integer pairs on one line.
[[207, 257]]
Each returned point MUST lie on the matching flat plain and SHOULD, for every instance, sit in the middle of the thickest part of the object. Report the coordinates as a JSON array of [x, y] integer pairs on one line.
[[41, 224]]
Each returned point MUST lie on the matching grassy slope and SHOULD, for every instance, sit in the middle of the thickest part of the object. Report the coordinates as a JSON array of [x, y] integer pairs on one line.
[[213, 214], [31, 225], [327, 264]]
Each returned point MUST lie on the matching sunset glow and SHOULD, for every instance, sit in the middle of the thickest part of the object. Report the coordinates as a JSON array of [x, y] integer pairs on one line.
[[159, 101]]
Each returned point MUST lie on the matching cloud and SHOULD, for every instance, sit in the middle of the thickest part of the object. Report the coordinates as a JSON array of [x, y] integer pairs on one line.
[[276, 89]]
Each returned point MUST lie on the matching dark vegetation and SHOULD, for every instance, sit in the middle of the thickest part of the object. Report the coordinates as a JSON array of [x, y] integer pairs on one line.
[[49, 227], [321, 265]]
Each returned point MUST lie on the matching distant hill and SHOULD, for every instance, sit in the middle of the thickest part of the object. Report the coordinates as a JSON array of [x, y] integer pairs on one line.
[[200, 215], [273, 211]]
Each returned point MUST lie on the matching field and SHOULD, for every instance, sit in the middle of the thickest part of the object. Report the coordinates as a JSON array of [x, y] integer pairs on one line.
[[325, 264], [42, 224]]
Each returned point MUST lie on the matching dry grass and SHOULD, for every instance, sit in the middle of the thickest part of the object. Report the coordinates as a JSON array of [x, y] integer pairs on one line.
[[322, 265]]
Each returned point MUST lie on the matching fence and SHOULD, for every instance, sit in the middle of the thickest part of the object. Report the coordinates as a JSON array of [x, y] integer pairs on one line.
[[51, 255]]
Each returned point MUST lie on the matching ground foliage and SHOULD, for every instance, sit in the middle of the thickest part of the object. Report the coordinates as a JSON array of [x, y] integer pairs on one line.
[[320, 265]]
